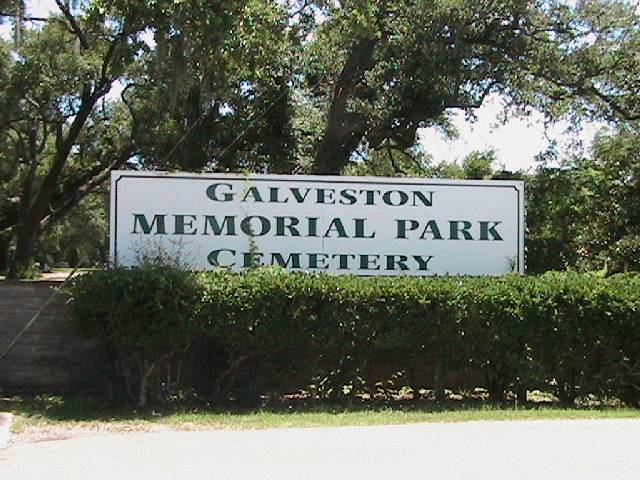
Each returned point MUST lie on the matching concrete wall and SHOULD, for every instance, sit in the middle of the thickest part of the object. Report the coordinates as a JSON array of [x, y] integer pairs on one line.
[[49, 357]]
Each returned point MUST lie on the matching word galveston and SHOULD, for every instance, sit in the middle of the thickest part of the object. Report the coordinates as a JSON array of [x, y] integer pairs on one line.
[[224, 192]]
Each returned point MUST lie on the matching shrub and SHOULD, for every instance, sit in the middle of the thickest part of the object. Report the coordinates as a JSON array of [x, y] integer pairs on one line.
[[140, 316], [268, 331], [624, 255]]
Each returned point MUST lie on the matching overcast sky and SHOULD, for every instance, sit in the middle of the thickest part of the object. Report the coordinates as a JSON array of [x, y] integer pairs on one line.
[[517, 142]]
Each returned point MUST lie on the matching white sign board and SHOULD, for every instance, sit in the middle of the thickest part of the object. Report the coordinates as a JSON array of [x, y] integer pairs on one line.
[[344, 225]]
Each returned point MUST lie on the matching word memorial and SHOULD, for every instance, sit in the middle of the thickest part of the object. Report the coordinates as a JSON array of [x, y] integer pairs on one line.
[[349, 225]]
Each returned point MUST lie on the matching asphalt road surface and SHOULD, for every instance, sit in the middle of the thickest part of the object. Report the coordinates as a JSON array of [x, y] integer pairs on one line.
[[542, 450]]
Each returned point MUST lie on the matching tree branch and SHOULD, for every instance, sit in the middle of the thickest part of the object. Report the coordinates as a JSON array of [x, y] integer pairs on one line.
[[75, 26], [89, 182]]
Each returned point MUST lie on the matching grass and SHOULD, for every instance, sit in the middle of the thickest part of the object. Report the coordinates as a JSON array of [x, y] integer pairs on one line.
[[74, 412]]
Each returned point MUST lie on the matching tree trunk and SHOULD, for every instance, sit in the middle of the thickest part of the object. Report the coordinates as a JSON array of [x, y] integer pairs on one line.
[[5, 243], [521, 394], [344, 129], [26, 238], [440, 381], [335, 150], [142, 391]]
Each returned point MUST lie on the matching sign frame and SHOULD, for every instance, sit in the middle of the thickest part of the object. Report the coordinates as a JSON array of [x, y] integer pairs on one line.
[[118, 176]]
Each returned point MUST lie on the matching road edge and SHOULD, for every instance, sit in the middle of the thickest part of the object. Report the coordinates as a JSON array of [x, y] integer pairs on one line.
[[6, 419]]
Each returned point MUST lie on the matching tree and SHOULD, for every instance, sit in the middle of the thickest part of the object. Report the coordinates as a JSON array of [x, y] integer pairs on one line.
[[591, 69], [214, 92], [609, 220], [479, 165], [585, 213], [552, 219], [385, 69], [62, 129], [14, 9], [55, 80], [392, 162], [80, 238]]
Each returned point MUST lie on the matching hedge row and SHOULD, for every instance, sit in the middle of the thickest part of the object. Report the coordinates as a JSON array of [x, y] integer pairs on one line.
[[269, 331]]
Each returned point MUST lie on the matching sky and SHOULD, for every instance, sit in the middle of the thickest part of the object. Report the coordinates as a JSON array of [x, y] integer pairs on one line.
[[516, 142]]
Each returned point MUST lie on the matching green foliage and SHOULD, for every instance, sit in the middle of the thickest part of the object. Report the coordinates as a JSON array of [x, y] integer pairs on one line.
[[591, 74], [479, 165], [218, 68], [59, 134], [394, 162], [586, 214], [387, 69], [269, 331], [151, 84], [79, 239], [140, 316], [624, 255]]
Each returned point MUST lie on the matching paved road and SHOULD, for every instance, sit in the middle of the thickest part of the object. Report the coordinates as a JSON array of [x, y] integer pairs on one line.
[[592, 449]]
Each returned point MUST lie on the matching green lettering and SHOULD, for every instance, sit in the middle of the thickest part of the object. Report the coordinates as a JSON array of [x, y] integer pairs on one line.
[[348, 197], [326, 195], [486, 230], [229, 223], [252, 259], [370, 196], [294, 258], [433, 229], [214, 257], [359, 223], [180, 224], [403, 228], [281, 224], [299, 197], [427, 202], [273, 195], [457, 227], [247, 228], [313, 226], [369, 262], [423, 262], [403, 198], [400, 262], [343, 259], [254, 193], [212, 192], [141, 220], [313, 260], [336, 224]]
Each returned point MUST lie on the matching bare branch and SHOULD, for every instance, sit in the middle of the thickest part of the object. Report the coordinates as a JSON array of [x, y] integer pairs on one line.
[[66, 11], [27, 19]]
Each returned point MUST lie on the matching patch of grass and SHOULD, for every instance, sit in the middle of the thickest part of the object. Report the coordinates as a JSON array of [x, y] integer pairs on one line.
[[69, 412], [269, 419]]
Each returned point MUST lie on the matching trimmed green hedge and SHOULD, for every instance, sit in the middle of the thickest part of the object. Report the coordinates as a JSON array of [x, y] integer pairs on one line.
[[267, 331], [140, 316]]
